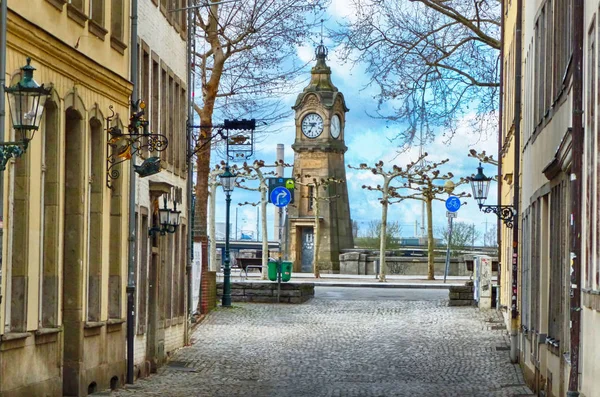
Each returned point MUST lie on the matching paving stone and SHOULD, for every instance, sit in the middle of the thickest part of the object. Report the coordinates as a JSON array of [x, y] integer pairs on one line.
[[327, 348]]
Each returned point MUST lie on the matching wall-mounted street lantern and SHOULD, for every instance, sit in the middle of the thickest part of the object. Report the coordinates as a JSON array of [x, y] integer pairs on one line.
[[168, 218], [480, 184], [26, 101]]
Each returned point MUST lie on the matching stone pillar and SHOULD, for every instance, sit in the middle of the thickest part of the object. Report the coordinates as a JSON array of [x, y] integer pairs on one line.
[[483, 281]]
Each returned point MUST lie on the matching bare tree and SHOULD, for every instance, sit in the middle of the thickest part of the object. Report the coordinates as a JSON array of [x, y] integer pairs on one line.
[[255, 171], [435, 61], [245, 58], [389, 196], [463, 236], [317, 184], [428, 184]]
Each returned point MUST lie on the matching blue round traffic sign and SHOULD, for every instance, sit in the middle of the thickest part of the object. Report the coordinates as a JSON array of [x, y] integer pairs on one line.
[[452, 203], [281, 196]]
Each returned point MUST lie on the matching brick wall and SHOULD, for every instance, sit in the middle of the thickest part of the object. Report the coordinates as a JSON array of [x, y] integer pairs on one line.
[[208, 300]]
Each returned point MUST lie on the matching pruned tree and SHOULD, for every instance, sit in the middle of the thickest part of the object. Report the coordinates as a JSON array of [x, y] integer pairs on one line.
[[463, 236], [245, 57], [372, 236], [435, 61], [483, 157], [389, 195], [319, 196], [428, 184], [256, 171]]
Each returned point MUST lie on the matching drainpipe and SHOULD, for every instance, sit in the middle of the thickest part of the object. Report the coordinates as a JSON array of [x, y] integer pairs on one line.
[[132, 237], [190, 170], [514, 323], [3, 32], [500, 138], [576, 194]]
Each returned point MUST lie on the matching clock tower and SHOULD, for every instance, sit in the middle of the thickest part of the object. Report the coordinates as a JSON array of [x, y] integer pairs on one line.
[[319, 152]]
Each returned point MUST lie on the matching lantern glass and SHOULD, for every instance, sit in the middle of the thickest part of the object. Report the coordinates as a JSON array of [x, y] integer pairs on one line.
[[26, 100], [227, 180], [164, 215], [175, 217], [480, 184]]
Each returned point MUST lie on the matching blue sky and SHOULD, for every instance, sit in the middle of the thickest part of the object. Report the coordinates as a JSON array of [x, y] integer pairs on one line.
[[368, 141]]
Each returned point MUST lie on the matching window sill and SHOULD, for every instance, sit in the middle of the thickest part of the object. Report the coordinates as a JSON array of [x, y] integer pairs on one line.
[[94, 324], [96, 29], [118, 45], [15, 336], [115, 324], [115, 321], [47, 331], [59, 4], [591, 299], [76, 14]]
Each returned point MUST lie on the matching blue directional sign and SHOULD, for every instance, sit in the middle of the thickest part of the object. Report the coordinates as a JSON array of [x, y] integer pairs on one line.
[[280, 196], [452, 204]]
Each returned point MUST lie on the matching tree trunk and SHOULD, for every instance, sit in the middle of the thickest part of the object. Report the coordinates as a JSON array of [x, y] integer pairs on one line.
[[317, 237], [265, 236], [430, 242], [212, 232], [383, 231], [200, 218]]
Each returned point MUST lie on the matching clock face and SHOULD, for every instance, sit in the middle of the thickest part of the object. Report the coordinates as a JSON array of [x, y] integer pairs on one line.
[[312, 125], [336, 127]]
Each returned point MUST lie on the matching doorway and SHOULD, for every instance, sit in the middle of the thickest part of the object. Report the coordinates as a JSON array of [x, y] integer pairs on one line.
[[308, 249]]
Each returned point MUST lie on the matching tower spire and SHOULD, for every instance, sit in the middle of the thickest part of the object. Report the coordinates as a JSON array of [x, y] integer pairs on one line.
[[321, 50]]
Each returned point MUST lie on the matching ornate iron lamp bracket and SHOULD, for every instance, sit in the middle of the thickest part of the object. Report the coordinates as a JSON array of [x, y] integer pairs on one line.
[[120, 146], [505, 212]]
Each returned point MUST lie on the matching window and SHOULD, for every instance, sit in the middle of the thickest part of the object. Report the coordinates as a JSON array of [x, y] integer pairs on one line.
[[116, 17], [311, 197], [164, 106], [183, 140], [95, 218], [77, 4], [525, 273], [143, 272], [176, 125], [535, 265], [154, 109], [562, 42], [589, 153], [558, 260], [548, 57], [171, 121], [97, 11]]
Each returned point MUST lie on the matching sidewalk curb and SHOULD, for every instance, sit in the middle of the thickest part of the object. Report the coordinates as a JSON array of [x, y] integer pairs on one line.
[[385, 285]]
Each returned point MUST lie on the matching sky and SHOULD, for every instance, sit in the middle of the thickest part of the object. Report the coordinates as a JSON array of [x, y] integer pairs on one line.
[[368, 140]]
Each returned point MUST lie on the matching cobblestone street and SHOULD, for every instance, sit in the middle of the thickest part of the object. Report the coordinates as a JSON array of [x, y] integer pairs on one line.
[[347, 346]]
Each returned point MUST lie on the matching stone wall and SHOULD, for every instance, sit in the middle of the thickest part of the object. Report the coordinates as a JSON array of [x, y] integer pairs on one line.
[[266, 292], [365, 263], [461, 296]]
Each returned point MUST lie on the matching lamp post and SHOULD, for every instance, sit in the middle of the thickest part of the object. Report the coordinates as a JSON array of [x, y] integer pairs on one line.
[[480, 184], [227, 181]]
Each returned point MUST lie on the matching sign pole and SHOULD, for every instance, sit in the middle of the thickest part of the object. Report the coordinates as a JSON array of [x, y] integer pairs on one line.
[[450, 216]]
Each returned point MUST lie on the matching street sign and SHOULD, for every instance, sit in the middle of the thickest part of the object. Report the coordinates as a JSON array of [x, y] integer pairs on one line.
[[452, 203], [287, 183], [280, 196], [451, 214]]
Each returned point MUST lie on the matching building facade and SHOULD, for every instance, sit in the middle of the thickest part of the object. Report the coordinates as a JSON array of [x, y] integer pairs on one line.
[[543, 50], [161, 303], [62, 314]]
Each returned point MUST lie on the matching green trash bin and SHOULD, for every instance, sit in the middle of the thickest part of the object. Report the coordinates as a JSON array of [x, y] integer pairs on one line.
[[272, 270], [286, 271]]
